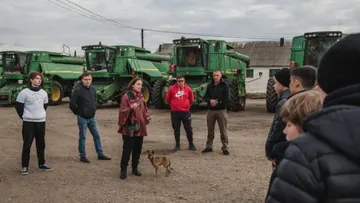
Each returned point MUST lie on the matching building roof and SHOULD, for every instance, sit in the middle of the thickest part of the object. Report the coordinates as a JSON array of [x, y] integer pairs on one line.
[[261, 53]]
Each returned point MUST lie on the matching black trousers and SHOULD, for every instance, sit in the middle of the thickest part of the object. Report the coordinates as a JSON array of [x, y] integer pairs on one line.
[[178, 117], [30, 131], [131, 145]]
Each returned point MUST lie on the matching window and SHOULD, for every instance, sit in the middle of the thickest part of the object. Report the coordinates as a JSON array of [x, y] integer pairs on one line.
[[250, 73], [272, 72]]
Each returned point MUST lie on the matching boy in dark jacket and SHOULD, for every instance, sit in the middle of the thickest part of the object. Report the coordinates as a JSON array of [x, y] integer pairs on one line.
[[322, 165], [294, 111], [276, 135]]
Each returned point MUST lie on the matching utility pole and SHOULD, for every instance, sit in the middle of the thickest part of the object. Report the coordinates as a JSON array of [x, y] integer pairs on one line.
[[142, 38]]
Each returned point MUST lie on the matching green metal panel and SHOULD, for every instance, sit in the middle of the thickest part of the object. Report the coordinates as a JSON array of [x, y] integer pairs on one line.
[[9, 92], [145, 67], [297, 50], [64, 71], [154, 57]]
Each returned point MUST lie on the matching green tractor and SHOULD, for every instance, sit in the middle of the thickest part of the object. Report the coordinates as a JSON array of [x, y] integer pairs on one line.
[[306, 49], [60, 73], [196, 59], [113, 67]]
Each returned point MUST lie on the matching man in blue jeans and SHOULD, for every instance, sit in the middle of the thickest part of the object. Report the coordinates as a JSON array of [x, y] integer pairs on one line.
[[83, 104]]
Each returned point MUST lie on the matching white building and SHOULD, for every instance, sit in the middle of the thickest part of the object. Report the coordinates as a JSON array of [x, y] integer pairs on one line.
[[266, 57]]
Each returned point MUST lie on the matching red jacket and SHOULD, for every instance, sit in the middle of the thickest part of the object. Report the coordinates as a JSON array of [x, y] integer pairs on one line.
[[140, 114], [180, 99]]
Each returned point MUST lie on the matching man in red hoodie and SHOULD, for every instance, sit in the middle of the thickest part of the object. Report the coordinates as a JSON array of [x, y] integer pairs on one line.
[[180, 97]]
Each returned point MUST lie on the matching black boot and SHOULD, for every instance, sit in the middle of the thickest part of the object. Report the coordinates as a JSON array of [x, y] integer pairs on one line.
[[177, 141], [136, 172], [123, 174], [192, 147]]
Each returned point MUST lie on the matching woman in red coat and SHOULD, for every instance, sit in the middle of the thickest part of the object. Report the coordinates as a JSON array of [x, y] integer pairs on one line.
[[133, 118]]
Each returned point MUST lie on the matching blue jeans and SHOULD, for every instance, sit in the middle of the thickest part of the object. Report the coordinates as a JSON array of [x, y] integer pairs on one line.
[[90, 123]]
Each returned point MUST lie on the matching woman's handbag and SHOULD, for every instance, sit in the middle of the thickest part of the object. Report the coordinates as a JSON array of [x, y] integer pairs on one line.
[[131, 128]]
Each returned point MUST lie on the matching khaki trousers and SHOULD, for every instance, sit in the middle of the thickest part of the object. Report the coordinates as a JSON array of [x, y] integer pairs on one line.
[[222, 118]]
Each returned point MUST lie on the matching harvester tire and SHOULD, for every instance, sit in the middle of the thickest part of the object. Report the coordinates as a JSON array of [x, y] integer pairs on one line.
[[77, 84], [236, 103], [157, 94], [271, 96], [123, 90], [57, 93]]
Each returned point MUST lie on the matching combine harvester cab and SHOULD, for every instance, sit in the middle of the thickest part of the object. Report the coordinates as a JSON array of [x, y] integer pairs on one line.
[[60, 73], [306, 49], [113, 67], [196, 59]]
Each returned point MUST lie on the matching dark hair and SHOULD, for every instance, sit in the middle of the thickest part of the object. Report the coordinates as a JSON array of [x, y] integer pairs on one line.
[[306, 75], [133, 81], [33, 75], [85, 74], [179, 77]]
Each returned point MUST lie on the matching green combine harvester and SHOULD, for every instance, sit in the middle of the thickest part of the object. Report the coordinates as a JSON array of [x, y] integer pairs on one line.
[[60, 73], [307, 49], [196, 59], [2, 80], [113, 67]]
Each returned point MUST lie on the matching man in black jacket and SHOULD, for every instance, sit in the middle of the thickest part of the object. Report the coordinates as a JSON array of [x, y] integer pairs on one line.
[[83, 104], [217, 97], [323, 164]]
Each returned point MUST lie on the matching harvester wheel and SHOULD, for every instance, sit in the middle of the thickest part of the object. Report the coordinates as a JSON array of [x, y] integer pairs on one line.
[[76, 84], [146, 91], [57, 93], [271, 96], [236, 103], [123, 89], [158, 97]]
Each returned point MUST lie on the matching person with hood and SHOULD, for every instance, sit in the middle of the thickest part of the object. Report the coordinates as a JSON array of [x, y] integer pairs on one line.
[[133, 120], [180, 97], [276, 135], [31, 104], [323, 164], [217, 97]]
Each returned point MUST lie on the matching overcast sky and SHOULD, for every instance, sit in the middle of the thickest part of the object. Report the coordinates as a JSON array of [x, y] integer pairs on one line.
[[40, 24]]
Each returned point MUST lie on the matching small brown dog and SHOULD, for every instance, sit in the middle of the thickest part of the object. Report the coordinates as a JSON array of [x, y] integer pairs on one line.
[[158, 161]]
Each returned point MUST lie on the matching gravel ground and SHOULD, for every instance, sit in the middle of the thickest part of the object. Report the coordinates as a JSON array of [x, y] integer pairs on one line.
[[240, 177]]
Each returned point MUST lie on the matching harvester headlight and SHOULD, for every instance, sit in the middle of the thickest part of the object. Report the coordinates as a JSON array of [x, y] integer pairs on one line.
[[20, 82]]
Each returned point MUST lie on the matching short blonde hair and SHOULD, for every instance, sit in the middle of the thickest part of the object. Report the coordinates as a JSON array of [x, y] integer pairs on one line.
[[301, 105]]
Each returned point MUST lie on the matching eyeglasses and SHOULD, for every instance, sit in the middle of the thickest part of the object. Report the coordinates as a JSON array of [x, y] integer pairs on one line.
[[179, 81]]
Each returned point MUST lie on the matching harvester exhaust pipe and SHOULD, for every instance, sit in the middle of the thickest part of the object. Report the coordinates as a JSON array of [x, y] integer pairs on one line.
[[282, 42], [75, 53]]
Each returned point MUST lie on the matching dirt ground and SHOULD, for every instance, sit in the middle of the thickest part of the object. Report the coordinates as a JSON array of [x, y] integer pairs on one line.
[[240, 177]]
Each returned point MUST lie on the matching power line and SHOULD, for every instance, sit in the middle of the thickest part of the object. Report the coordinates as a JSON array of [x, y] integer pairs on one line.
[[73, 10], [122, 25]]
